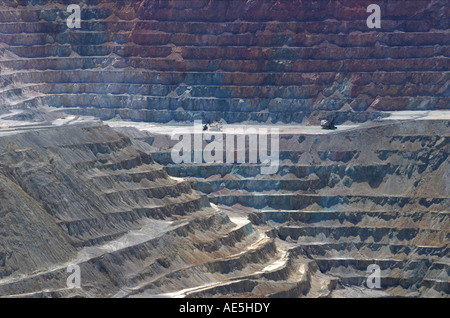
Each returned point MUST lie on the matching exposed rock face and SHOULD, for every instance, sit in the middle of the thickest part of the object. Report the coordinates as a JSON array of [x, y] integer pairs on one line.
[[343, 201], [111, 201], [98, 200], [92, 196], [258, 60], [24, 225]]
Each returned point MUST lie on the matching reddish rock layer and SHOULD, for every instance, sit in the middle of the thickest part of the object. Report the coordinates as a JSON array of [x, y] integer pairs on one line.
[[255, 60]]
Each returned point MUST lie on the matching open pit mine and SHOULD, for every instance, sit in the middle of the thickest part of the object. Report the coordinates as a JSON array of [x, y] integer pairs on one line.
[[119, 176]]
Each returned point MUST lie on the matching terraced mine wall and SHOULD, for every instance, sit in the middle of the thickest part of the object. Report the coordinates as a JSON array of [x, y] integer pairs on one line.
[[111, 200], [96, 197], [258, 60], [342, 202]]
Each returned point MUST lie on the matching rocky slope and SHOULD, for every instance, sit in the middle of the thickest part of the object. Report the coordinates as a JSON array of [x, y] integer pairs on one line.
[[75, 191], [89, 196], [94, 196], [341, 202], [258, 60]]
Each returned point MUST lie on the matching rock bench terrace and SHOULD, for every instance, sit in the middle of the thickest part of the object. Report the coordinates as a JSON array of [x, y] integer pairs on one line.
[[87, 175]]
